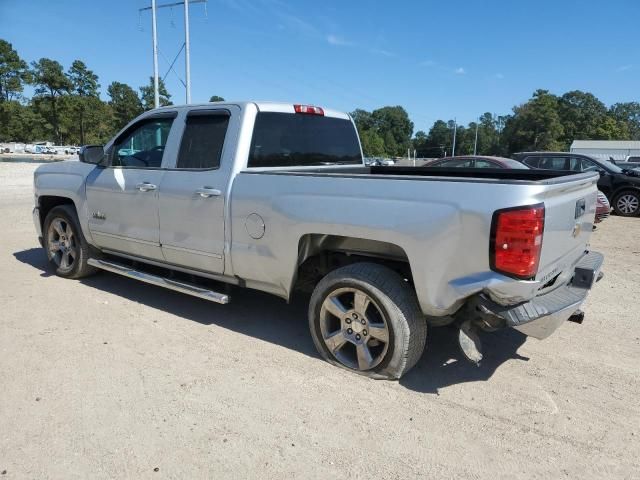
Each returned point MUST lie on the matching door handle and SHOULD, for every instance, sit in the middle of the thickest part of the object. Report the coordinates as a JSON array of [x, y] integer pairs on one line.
[[146, 186], [206, 192]]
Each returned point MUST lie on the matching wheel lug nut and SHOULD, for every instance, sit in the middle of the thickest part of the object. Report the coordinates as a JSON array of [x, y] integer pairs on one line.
[[358, 337], [355, 316], [364, 332], [348, 320], [363, 321], [349, 331]]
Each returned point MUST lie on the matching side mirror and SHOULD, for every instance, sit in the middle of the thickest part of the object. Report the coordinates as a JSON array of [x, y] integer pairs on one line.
[[93, 154]]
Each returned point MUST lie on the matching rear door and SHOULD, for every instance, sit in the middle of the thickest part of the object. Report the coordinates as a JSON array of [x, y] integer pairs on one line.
[[193, 192], [122, 197]]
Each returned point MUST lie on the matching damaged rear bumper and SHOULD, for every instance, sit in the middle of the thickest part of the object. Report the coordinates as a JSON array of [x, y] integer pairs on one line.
[[541, 316]]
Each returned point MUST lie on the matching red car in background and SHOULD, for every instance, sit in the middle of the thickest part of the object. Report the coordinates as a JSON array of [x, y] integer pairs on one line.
[[476, 161], [603, 208]]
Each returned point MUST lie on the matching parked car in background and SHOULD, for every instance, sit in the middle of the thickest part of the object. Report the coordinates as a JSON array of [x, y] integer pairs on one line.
[[620, 185], [630, 162], [378, 162], [475, 161]]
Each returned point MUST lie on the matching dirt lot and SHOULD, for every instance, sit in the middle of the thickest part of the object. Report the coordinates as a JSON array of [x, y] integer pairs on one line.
[[106, 378]]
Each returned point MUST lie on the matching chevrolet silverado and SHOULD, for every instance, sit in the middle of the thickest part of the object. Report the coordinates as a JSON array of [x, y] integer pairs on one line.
[[276, 197]]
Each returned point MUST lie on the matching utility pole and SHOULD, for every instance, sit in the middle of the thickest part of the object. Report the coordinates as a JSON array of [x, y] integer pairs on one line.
[[455, 129], [186, 46], [154, 34], [475, 143], [187, 52]]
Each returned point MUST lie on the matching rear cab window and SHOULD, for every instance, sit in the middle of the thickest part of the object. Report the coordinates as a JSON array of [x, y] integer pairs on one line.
[[298, 140]]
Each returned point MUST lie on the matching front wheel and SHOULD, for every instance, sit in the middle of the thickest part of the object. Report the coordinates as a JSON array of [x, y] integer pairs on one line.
[[627, 204], [66, 247], [366, 318]]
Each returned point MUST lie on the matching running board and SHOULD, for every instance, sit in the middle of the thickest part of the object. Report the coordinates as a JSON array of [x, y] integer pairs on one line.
[[182, 287]]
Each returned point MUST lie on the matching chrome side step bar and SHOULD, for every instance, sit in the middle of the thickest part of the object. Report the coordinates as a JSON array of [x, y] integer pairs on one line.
[[182, 287]]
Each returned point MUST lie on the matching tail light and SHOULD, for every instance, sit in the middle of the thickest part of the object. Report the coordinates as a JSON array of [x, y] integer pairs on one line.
[[308, 109], [516, 241]]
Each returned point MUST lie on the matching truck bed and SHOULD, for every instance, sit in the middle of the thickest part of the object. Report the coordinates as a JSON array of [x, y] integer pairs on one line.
[[439, 218]]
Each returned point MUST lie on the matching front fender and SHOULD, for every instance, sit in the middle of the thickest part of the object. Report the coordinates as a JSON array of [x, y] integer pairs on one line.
[[65, 180]]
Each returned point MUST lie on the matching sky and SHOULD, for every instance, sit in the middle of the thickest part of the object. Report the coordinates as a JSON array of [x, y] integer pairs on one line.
[[437, 59]]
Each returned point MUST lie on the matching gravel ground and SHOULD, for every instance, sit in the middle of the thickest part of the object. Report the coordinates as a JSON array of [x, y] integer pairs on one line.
[[107, 377]]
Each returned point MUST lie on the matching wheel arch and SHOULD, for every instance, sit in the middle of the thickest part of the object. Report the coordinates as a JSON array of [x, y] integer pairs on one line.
[[320, 254], [626, 188], [46, 203]]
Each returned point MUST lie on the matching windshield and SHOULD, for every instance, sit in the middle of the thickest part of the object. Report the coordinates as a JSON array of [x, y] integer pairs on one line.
[[612, 167], [287, 140]]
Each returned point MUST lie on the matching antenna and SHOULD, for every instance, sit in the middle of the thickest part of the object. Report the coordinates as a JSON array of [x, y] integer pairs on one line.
[[186, 45]]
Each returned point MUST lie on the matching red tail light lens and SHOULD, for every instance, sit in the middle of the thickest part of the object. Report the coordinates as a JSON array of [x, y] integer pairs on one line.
[[516, 241], [308, 109]]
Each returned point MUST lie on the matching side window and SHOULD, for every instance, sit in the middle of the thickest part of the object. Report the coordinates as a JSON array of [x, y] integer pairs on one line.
[[589, 166], [533, 162], [576, 164], [486, 164], [553, 163], [202, 141], [142, 146], [456, 162]]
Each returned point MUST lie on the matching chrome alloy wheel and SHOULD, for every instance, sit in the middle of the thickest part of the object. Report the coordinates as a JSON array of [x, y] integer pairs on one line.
[[354, 329], [61, 244], [628, 204]]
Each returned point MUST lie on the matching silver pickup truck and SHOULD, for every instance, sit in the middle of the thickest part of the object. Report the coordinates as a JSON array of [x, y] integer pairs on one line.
[[276, 197]]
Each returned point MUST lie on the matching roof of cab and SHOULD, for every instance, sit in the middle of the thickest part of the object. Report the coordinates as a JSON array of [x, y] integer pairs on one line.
[[262, 106]]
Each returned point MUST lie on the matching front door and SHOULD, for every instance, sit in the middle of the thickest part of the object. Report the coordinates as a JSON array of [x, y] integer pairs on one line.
[[193, 193], [122, 197]]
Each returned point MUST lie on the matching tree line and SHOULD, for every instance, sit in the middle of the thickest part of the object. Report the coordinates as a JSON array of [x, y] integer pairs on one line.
[[66, 107], [545, 122]]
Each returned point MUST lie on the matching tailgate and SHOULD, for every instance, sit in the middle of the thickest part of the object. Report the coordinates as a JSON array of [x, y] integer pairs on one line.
[[569, 216]]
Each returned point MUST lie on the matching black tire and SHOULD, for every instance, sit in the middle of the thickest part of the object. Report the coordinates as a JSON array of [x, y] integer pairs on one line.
[[65, 217], [397, 305], [624, 208]]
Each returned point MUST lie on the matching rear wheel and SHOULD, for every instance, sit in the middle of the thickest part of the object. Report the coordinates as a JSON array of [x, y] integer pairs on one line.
[[366, 318], [66, 247], [627, 204]]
